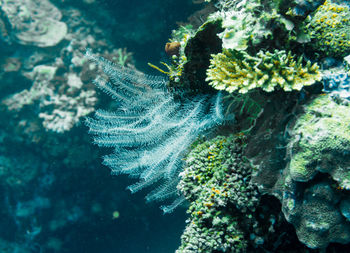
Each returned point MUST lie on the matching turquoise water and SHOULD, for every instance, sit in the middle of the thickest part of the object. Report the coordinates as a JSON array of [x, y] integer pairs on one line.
[[55, 195], [127, 127]]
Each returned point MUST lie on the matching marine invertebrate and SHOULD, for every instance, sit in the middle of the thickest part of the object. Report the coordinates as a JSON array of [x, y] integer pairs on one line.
[[314, 212], [301, 8], [337, 83], [59, 111], [234, 70], [27, 26], [216, 181], [150, 132], [242, 25], [321, 142], [308, 171], [329, 29], [319, 157], [175, 49]]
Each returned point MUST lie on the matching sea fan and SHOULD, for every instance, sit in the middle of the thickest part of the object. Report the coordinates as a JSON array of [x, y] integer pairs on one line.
[[150, 131]]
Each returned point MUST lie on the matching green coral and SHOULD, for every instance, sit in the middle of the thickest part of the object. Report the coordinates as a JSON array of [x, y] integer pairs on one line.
[[233, 71], [247, 24], [240, 28], [329, 28], [321, 141], [216, 181]]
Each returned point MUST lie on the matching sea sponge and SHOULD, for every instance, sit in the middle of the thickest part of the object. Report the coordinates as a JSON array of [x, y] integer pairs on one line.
[[234, 70]]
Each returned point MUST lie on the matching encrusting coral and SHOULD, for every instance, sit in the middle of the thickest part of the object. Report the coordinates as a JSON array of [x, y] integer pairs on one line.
[[216, 181], [238, 71], [321, 142]]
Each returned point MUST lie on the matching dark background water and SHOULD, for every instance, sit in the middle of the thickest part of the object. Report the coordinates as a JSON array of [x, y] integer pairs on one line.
[[55, 196], [143, 26]]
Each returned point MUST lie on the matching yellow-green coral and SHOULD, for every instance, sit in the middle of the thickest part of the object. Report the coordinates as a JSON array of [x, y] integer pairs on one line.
[[238, 71], [321, 141], [329, 28]]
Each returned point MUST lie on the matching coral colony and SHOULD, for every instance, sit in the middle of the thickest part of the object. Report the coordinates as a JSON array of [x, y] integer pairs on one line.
[[175, 134]]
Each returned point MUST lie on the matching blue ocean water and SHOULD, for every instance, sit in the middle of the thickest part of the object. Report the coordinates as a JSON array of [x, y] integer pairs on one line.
[[62, 193], [55, 196]]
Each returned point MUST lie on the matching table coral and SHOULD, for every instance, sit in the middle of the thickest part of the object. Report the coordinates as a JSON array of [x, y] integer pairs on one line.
[[238, 71]]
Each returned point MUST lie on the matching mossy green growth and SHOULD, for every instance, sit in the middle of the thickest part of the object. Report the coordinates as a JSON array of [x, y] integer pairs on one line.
[[175, 68], [248, 23], [321, 141], [329, 29], [216, 182], [234, 70]]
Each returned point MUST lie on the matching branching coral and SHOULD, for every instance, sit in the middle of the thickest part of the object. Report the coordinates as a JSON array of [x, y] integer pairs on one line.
[[59, 111], [216, 181], [238, 71]]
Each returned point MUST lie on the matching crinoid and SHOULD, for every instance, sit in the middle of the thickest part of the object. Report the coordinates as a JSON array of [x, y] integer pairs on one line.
[[150, 131]]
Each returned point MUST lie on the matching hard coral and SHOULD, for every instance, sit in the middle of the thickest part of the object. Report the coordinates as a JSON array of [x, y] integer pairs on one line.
[[238, 71], [216, 181], [329, 28], [321, 142], [313, 188]]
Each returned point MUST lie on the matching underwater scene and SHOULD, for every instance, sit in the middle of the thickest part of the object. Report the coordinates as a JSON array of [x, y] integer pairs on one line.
[[187, 126]]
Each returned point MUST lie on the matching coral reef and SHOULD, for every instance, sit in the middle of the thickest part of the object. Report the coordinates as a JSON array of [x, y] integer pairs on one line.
[[329, 29], [196, 54], [305, 167], [59, 111], [27, 26], [50, 174], [237, 71], [280, 185], [337, 84], [321, 142], [246, 23], [314, 212], [301, 8], [149, 138], [216, 182], [18, 171]]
